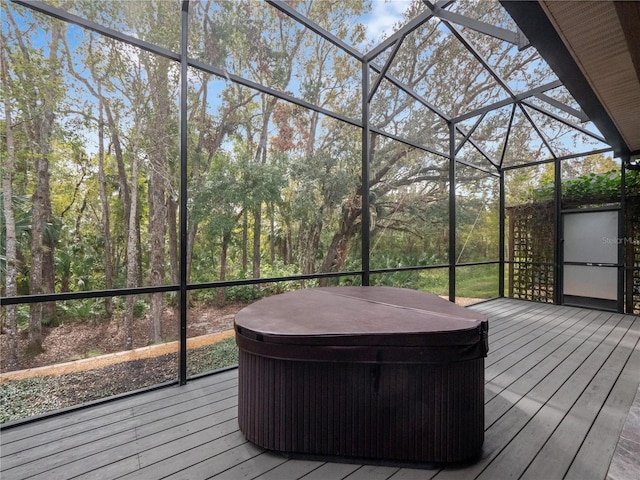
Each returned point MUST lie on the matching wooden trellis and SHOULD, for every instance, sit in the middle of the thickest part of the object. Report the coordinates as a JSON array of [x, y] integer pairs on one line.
[[531, 252], [531, 241], [632, 242]]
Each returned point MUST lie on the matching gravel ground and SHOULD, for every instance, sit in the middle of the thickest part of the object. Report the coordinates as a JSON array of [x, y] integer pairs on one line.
[[34, 396]]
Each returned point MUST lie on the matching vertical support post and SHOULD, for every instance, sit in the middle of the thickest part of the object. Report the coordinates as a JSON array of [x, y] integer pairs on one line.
[[452, 212], [501, 242], [558, 256], [184, 39], [512, 249], [366, 162]]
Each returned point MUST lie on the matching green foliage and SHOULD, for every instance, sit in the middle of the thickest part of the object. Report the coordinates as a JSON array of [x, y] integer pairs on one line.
[[250, 293], [25, 398], [402, 279], [140, 307], [479, 281], [220, 355], [244, 293], [22, 218], [80, 310], [23, 316], [632, 182], [591, 188]]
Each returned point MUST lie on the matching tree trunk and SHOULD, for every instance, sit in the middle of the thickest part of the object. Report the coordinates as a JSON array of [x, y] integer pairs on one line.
[[245, 241], [311, 247], [337, 252], [289, 245], [272, 237], [261, 156], [222, 293], [104, 199], [48, 241], [42, 278], [257, 225], [11, 271], [312, 244], [37, 252], [159, 178], [192, 231], [41, 248], [157, 218], [172, 226], [132, 261]]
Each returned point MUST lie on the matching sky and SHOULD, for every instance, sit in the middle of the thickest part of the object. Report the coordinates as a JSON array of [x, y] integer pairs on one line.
[[384, 15]]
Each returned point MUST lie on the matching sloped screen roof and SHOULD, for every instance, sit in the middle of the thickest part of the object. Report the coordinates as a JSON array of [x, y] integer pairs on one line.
[[465, 62], [429, 65]]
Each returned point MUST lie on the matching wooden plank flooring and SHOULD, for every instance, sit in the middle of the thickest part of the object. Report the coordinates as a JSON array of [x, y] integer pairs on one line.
[[559, 384]]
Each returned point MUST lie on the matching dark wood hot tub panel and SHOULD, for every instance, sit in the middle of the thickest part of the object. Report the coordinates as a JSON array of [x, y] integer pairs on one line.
[[401, 412]]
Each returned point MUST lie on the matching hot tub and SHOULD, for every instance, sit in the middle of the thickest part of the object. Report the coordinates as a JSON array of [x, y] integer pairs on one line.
[[381, 373]]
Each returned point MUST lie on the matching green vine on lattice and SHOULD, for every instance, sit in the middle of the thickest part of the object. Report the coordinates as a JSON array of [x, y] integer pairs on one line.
[[591, 188]]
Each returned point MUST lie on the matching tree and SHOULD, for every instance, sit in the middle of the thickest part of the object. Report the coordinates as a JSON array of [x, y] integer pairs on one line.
[[113, 75], [132, 263], [104, 200], [158, 117], [37, 93], [265, 46], [11, 248], [320, 150]]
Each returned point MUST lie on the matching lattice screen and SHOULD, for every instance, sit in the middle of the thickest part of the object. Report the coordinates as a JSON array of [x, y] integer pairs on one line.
[[632, 242], [531, 245]]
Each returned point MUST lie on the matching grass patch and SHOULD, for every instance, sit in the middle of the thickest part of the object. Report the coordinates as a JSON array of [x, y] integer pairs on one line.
[[478, 281]]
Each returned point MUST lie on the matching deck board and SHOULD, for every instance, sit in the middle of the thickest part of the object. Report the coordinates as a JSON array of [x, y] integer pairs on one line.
[[332, 470], [291, 469], [517, 344], [535, 349], [559, 384], [561, 447], [608, 424], [526, 444], [123, 431], [530, 365]]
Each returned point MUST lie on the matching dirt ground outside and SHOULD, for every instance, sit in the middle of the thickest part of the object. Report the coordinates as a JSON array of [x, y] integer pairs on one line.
[[92, 339]]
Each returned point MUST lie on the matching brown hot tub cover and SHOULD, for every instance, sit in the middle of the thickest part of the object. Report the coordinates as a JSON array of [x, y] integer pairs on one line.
[[373, 372]]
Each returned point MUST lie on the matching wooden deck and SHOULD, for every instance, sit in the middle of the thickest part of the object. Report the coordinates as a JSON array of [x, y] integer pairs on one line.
[[559, 384]]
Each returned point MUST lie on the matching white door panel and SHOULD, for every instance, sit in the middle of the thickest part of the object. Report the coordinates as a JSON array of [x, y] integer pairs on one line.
[[591, 237]]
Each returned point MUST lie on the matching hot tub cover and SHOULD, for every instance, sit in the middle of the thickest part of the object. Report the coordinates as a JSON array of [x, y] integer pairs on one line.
[[362, 324]]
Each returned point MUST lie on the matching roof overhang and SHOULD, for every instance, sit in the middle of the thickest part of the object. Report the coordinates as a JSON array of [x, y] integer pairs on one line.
[[594, 49]]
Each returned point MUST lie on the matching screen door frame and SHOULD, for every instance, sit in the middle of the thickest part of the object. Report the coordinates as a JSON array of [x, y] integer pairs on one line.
[[592, 256]]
